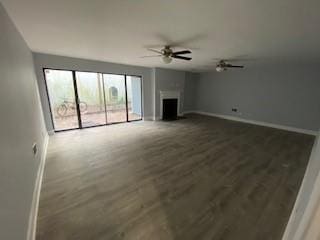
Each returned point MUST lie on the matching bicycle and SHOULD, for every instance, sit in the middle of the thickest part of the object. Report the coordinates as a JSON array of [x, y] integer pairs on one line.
[[66, 105]]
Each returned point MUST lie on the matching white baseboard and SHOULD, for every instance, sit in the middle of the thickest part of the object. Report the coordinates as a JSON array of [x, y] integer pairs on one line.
[[148, 118], [31, 235], [190, 111], [265, 124]]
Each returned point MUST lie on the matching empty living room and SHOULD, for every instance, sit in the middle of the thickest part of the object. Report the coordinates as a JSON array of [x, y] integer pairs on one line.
[[159, 120]]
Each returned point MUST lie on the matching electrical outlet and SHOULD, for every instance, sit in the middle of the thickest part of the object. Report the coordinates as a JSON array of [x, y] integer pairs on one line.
[[34, 149], [234, 110]]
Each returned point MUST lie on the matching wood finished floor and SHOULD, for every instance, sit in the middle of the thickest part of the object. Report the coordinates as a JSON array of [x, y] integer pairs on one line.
[[196, 178]]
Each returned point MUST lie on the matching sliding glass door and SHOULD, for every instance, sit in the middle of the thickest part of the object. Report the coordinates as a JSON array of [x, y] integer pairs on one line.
[[62, 99], [91, 99], [115, 94], [134, 98], [87, 99]]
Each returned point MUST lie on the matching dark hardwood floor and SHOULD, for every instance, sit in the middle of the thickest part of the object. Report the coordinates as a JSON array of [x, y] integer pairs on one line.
[[196, 178]]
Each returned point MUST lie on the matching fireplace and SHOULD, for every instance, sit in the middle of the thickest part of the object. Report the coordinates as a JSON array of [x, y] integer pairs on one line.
[[170, 109], [172, 101]]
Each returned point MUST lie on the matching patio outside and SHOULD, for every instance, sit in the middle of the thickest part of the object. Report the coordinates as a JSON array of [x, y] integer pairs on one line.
[[94, 116]]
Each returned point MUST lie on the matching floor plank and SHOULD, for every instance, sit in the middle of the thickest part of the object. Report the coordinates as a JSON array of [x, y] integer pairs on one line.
[[196, 178]]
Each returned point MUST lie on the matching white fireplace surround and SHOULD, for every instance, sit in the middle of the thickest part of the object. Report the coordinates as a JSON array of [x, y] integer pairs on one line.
[[169, 95]]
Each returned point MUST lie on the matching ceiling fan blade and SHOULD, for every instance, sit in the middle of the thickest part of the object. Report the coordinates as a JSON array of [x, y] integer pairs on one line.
[[156, 51], [183, 58], [151, 56], [181, 52], [234, 66]]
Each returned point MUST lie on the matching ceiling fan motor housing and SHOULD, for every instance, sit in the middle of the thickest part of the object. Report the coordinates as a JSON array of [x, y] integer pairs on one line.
[[167, 51], [221, 66]]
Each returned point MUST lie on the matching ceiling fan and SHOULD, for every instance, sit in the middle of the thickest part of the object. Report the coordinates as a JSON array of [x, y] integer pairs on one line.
[[168, 54], [223, 65]]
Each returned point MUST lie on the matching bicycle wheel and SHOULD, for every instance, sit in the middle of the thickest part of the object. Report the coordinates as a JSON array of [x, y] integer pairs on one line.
[[62, 110]]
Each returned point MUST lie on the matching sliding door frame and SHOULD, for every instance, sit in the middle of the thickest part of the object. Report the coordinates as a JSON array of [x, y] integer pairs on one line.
[[125, 88], [126, 92], [104, 100], [77, 97], [140, 119]]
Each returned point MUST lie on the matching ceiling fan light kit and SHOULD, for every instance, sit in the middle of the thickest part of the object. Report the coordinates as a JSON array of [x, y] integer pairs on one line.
[[220, 69], [166, 59]]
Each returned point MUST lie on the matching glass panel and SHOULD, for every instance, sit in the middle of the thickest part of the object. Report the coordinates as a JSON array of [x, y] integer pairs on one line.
[[91, 99], [115, 94], [134, 98], [62, 99]]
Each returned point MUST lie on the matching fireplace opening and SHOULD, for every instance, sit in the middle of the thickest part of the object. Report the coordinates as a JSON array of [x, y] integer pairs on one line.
[[170, 109]]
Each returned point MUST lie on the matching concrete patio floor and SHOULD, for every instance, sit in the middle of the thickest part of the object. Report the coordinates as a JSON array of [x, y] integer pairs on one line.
[[93, 119]]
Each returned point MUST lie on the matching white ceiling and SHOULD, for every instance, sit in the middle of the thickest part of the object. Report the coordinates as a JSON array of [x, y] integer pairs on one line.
[[121, 30]]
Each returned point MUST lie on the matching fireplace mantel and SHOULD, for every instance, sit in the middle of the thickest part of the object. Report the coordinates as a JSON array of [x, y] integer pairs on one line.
[[168, 95]]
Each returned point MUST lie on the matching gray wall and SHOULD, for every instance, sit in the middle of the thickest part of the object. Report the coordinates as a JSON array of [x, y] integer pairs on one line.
[[168, 80], [59, 62], [21, 125], [285, 94], [190, 90]]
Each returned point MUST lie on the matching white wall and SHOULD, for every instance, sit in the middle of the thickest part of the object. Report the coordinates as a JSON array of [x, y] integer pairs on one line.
[[307, 201], [60, 62], [21, 125], [311, 230], [168, 80]]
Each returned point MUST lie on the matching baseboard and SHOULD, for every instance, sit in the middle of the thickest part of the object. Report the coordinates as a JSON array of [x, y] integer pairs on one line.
[[265, 124], [31, 235], [190, 111], [148, 118]]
